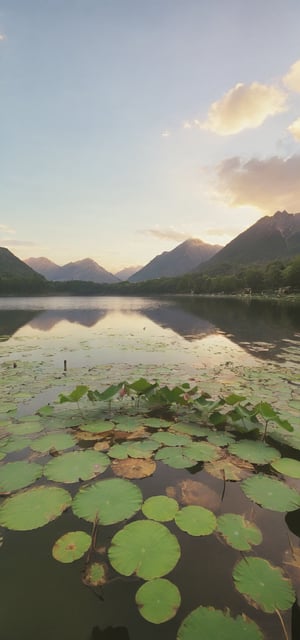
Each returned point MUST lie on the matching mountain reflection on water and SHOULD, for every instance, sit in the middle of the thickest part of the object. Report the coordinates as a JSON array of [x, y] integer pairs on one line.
[[261, 328]]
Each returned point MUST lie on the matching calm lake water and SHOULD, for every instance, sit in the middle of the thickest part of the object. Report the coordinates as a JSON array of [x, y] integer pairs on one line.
[[221, 345]]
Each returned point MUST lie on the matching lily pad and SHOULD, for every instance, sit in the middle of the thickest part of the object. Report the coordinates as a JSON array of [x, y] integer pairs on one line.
[[288, 467], [220, 439], [156, 423], [145, 548], [109, 501], [76, 465], [17, 475], [270, 493], [212, 624], [133, 468], [194, 492], [158, 600], [238, 532], [229, 468], [254, 451], [160, 508], [128, 423], [54, 440], [26, 428], [175, 457], [190, 429], [99, 426], [33, 508], [202, 451], [171, 439], [195, 520], [95, 574], [263, 584], [71, 546], [16, 444]]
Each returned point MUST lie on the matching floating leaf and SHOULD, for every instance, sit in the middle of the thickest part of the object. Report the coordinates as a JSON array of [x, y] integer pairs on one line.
[[288, 467], [220, 439], [158, 600], [99, 426], [16, 444], [76, 465], [160, 508], [146, 548], [127, 423], [71, 546], [212, 624], [133, 468], [25, 428], [194, 492], [229, 468], [202, 451], [171, 439], [17, 475], [263, 584], [190, 429], [156, 423], [54, 440], [33, 508], [238, 532], [109, 501], [175, 457], [95, 574], [254, 451], [271, 494], [197, 521]]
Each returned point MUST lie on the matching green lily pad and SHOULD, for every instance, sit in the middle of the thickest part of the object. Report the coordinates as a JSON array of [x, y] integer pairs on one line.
[[196, 520], [128, 423], [109, 501], [54, 440], [160, 508], [271, 494], [220, 439], [175, 457], [202, 451], [288, 467], [26, 428], [99, 426], [238, 532], [16, 444], [190, 429], [33, 508], [143, 449], [212, 624], [146, 548], [76, 465], [254, 451], [156, 423], [171, 439], [263, 584], [17, 475], [158, 600], [95, 574], [71, 546]]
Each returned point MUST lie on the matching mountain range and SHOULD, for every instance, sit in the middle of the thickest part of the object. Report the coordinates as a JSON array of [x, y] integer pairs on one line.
[[270, 238]]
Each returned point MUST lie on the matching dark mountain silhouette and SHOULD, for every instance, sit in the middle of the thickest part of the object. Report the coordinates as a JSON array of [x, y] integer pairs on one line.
[[185, 257], [270, 238], [13, 267], [85, 270]]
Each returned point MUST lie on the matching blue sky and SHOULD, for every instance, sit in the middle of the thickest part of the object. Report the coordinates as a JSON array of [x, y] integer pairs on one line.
[[129, 125]]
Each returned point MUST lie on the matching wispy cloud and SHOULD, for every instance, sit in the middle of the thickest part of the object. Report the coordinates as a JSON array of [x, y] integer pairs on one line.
[[268, 184], [5, 229], [166, 233], [294, 129], [221, 231], [17, 243], [292, 78], [243, 107]]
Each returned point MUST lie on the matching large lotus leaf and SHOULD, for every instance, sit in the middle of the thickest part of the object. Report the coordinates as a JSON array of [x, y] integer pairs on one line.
[[288, 467], [254, 451], [263, 584], [212, 624], [17, 475], [171, 439], [26, 428], [99, 426], [108, 501], [16, 444], [220, 439], [33, 508], [95, 574], [142, 449], [229, 468], [134, 468], [175, 457], [76, 465], [190, 429], [160, 508], [71, 546], [271, 494], [158, 600], [156, 423], [146, 548], [127, 423], [119, 451], [195, 520], [202, 451], [54, 440], [238, 532]]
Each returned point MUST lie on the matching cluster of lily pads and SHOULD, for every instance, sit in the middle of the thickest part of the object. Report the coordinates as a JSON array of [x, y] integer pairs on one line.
[[228, 437]]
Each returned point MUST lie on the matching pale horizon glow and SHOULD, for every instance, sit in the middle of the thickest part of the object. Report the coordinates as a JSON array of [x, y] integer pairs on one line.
[[128, 127]]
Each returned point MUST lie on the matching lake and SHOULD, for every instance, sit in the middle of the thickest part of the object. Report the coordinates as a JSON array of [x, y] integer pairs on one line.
[[50, 345]]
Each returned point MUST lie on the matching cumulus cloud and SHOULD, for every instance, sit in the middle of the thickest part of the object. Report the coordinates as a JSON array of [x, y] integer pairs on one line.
[[292, 78], [294, 129], [269, 184], [242, 107], [166, 233]]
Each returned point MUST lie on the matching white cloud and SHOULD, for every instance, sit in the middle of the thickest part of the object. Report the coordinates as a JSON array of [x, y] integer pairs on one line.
[[165, 134], [166, 233], [5, 229], [242, 107], [292, 78], [294, 129], [269, 184]]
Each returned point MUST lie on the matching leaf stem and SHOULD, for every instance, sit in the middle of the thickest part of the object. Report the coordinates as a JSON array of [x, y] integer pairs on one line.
[[282, 624]]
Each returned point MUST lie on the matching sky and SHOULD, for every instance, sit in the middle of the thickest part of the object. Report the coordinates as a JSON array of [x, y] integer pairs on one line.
[[128, 126]]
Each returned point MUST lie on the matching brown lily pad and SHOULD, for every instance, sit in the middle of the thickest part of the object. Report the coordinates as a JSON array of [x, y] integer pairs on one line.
[[133, 467], [189, 492], [229, 468], [95, 574], [102, 446]]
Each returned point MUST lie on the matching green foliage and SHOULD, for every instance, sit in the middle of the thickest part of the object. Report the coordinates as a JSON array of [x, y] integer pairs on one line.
[[264, 584]]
